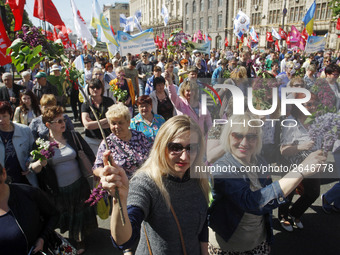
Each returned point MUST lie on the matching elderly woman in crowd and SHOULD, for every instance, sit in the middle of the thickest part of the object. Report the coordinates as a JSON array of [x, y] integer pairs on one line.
[[161, 192], [146, 122], [26, 80], [161, 103], [37, 126], [22, 209], [240, 214], [129, 148], [28, 108], [296, 145], [100, 104], [124, 84], [188, 102], [70, 189]]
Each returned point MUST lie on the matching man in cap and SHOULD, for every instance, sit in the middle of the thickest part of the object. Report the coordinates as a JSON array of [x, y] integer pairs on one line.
[[43, 86], [10, 92]]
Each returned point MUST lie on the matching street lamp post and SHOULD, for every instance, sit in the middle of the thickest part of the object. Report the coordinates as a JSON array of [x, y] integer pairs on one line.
[[284, 12]]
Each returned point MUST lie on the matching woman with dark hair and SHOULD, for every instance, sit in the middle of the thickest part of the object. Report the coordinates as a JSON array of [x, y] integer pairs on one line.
[[27, 217], [28, 108], [296, 145], [145, 121], [70, 188], [100, 104], [109, 75], [15, 147], [161, 103]]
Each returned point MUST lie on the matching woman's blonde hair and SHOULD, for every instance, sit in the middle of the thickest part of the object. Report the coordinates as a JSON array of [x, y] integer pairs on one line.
[[242, 128], [119, 69], [157, 166], [189, 85], [118, 111], [48, 100], [239, 72]]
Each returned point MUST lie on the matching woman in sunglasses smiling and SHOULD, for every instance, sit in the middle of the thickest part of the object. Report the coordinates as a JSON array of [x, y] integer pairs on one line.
[[243, 198], [161, 191]]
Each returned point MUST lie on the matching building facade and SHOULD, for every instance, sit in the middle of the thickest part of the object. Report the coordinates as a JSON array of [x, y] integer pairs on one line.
[[112, 13], [151, 18]]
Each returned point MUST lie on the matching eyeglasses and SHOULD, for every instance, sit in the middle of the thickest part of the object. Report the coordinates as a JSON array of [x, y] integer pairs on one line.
[[98, 74], [298, 85], [95, 87], [177, 148], [249, 137], [144, 56], [60, 121]]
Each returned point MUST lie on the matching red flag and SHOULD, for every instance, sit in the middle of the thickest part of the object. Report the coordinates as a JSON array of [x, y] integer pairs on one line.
[[113, 31], [55, 34], [5, 42], [226, 42], [17, 7], [269, 37], [283, 34], [304, 34], [277, 47], [49, 34], [288, 38], [46, 11], [338, 24]]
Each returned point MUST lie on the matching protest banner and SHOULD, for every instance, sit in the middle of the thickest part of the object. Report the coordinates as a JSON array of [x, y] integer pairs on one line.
[[135, 44], [315, 44]]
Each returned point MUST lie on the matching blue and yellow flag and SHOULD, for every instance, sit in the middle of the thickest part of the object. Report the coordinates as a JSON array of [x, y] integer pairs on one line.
[[100, 22], [309, 19]]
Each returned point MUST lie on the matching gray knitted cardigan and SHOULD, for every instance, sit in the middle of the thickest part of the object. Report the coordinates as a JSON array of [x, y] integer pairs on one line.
[[189, 204]]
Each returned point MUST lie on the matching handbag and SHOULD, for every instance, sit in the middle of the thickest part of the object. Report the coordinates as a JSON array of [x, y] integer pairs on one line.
[[179, 230], [85, 164], [103, 206], [59, 245]]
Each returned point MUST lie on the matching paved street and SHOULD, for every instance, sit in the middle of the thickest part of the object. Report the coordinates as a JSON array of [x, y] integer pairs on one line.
[[320, 234]]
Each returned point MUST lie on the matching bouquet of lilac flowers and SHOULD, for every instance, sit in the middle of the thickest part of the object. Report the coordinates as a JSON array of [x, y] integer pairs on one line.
[[326, 128], [96, 195], [45, 149]]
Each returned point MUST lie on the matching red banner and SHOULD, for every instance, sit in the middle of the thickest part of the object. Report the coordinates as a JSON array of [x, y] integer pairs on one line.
[[226, 42], [283, 34], [269, 37], [17, 7], [338, 24], [4, 44]]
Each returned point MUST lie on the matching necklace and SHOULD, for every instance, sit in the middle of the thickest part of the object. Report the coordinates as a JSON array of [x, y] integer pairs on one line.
[[6, 136]]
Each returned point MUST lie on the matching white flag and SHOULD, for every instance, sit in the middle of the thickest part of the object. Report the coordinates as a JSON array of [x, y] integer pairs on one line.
[[165, 14], [241, 24], [253, 34], [81, 29], [276, 34]]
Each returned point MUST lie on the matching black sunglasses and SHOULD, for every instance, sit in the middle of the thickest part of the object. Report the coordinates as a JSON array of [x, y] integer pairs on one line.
[[60, 121], [239, 137], [95, 87], [177, 148]]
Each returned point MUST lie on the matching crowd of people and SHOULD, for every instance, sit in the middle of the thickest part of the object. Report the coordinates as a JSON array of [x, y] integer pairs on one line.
[[150, 109]]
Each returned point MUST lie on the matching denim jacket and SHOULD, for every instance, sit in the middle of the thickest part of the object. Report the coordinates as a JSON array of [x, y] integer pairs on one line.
[[232, 197]]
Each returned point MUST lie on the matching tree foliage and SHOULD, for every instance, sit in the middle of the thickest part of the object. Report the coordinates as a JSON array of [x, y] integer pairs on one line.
[[335, 6]]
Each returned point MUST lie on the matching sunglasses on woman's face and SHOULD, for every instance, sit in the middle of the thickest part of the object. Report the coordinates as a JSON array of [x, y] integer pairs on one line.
[[298, 85], [95, 87], [60, 121], [177, 148], [249, 137]]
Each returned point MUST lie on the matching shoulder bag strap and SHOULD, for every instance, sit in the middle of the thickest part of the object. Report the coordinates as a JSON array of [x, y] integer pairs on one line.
[[76, 140], [179, 230], [147, 240]]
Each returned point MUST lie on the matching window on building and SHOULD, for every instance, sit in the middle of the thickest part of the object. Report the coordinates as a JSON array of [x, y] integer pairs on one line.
[[323, 11], [209, 22], [202, 5], [194, 25], [219, 3], [317, 11], [329, 12], [219, 21], [270, 17], [291, 14], [201, 23], [218, 42], [187, 25], [194, 7], [258, 18], [241, 4], [296, 16], [278, 16], [209, 4], [302, 12], [186, 8]]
